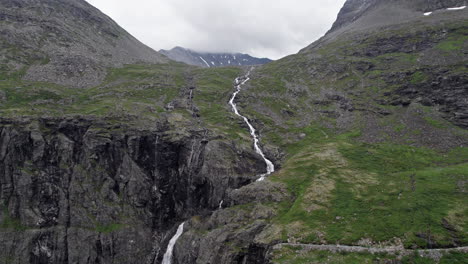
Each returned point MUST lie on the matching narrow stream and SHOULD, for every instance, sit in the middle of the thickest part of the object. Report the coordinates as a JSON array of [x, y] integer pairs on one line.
[[270, 168], [170, 247]]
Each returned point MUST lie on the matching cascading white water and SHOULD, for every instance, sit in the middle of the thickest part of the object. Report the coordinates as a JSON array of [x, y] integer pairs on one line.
[[269, 165], [170, 247]]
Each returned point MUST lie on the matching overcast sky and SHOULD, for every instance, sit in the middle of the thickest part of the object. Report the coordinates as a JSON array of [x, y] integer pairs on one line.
[[262, 28]]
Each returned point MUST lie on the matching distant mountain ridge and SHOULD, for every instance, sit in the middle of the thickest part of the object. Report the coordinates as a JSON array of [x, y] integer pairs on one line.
[[207, 59]]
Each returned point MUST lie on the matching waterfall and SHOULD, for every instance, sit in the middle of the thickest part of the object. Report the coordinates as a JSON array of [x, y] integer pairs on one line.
[[270, 168], [170, 247]]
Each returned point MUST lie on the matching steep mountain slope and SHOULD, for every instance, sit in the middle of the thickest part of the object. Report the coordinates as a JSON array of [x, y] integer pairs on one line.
[[358, 14], [367, 130], [212, 59], [65, 41], [371, 125]]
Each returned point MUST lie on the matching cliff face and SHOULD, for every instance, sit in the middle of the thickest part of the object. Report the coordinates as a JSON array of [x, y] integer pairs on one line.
[[81, 191]]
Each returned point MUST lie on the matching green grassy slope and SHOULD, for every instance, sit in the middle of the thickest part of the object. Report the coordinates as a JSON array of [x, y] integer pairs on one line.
[[371, 152], [368, 156]]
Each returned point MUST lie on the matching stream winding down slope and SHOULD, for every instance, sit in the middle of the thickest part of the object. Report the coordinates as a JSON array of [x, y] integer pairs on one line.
[[270, 168], [434, 253], [269, 165]]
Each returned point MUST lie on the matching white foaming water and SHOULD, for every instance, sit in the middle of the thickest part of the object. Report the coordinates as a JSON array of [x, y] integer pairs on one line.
[[205, 62], [269, 165], [170, 247]]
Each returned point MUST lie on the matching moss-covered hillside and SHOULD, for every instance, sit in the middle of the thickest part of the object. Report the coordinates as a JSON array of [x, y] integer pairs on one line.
[[367, 129]]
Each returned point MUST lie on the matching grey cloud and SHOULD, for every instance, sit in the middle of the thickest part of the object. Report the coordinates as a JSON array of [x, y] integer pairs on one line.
[[263, 28]]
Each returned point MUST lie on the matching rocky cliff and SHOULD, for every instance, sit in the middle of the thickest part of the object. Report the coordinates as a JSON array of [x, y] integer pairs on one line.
[[84, 191]]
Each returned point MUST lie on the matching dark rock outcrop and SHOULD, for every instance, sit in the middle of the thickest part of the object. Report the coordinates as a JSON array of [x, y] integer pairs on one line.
[[84, 191], [233, 234]]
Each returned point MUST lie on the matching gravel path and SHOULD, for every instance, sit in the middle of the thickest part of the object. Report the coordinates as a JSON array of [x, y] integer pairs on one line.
[[435, 253]]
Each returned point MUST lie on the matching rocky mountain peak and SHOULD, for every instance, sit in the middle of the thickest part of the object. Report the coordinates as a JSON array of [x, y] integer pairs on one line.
[[68, 42], [382, 12]]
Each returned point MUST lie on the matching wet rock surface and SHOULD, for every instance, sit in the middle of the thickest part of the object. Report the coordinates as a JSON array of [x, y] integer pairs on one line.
[[73, 191], [233, 234]]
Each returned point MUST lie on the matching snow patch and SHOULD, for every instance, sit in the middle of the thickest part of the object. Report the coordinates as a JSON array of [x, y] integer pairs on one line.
[[449, 9], [456, 8]]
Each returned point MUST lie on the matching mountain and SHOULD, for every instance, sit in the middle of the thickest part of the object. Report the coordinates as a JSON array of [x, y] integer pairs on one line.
[[65, 41], [366, 15], [429, 45], [204, 59], [366, 129], [360, 14]]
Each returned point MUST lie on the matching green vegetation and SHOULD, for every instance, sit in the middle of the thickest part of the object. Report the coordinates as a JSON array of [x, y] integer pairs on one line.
[[453, 43], [135, 90], [293, 255], [297, 255], [109, 228], [418, 77], [347, 191], [11, 223], [435, 123], [317, 108], [342, 186], [214, 89]]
